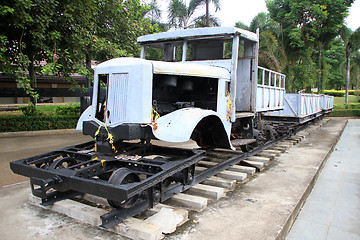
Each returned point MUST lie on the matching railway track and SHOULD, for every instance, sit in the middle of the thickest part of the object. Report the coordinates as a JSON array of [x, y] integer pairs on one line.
[[166, 217]]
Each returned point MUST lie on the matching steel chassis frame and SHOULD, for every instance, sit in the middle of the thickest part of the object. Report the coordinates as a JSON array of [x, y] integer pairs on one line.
[[86, 169]]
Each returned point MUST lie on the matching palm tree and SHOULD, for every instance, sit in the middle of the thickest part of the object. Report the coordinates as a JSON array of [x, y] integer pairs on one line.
[[207, 2], [356, 62], [153, 11], [202, 21], [181, 15], [352, 44]]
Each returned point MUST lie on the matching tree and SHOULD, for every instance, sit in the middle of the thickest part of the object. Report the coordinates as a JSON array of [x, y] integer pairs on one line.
[[65, 35], [207, 15], [24, 26], [182, 16], [309, 27], [334, 60], [153, 11], [356, 68], [352, 44]]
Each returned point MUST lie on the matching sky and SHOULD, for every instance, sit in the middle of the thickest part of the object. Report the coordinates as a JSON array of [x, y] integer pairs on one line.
[[244, 10]]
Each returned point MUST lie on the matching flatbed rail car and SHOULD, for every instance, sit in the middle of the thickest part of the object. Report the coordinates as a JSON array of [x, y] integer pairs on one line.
[[302, 107], [208, 89]]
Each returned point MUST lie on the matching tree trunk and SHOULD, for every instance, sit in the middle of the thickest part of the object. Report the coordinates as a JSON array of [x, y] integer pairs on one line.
[[320, 73], [88, 66], [357, 79], [32, 77], [347, 77], [207, 14]]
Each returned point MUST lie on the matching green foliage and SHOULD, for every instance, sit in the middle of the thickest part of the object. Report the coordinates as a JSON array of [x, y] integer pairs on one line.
[[346, 110], [308, 28], [35, 123], [30, 110], [338, 93], [66, 34], [182, 16], [335, 93], [71, 110], [345, 113]]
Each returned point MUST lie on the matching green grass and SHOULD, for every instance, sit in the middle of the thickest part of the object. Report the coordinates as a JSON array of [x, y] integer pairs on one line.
[[47, 109], [341, 100]]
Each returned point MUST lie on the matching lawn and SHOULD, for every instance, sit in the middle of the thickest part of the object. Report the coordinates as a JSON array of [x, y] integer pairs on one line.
[[341, 100]]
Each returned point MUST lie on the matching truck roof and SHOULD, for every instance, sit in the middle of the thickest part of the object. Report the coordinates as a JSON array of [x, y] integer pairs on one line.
[[197, 34]]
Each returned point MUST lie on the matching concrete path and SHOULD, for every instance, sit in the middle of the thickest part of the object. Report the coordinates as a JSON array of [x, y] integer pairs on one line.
[[15, 146], [332, 210]]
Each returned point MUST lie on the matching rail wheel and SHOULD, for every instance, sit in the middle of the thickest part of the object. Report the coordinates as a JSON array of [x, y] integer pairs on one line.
[[124, 176], [62, 163]]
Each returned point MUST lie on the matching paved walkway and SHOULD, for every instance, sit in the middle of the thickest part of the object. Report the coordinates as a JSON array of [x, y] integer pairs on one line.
[[20, 145], [332, 211]]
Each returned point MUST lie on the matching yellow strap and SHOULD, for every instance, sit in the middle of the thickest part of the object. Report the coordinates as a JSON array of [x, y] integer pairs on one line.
[[110, 136], [97, 132]]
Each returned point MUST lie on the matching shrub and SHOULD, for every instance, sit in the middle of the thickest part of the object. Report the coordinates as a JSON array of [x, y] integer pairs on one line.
[[72, 109], [30, 110], [335, 93], [345, 113], [34, 123]]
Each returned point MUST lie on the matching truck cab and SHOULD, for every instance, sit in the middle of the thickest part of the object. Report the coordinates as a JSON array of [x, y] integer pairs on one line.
[[205, 89]]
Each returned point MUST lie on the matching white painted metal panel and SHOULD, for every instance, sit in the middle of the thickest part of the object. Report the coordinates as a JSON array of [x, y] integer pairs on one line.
[[196, 33], [327, 102], [270, 91], [299, 105], [190, 69], [178, 126], [117, 97], [129, 84]]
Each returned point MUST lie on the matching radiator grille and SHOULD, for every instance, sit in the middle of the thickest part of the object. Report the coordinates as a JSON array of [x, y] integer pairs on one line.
[[117, 98]]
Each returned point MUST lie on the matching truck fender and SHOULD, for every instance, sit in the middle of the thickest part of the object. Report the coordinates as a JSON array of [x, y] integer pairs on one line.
[[203, 126], [86, 115]]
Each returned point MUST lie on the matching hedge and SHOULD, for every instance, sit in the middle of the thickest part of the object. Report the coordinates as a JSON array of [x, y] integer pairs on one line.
[[34, 123], [347, 106], [339, 93], [345, 113]]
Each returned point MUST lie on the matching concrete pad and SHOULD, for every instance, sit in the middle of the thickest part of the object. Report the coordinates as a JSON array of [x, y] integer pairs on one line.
[[264, 160], [200, 169], [191, 202], [280, 149], [259, 165], [207, 163], [95, 199], [238, 176], [269, 156], [248, 170], [138, 229], [206, 191], [132, 228], [73, 209], [285, 144], [236, 168], [221, 182], [169, 219], [294, 142], [271, 152]]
